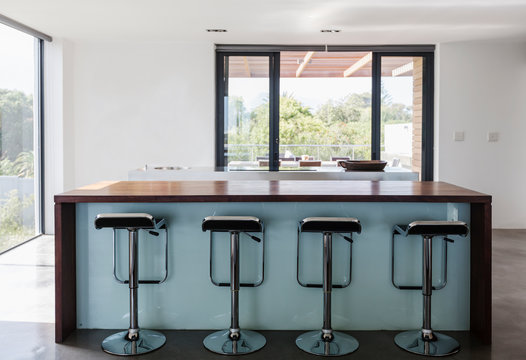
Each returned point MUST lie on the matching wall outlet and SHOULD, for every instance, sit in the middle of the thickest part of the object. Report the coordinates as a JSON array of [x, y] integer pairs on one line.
[[493, 136], [458, 136]]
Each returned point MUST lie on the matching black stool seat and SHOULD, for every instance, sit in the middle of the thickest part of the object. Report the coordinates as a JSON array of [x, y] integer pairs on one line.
[[232, 223], [330, 224], [433, 228], [125, 221]]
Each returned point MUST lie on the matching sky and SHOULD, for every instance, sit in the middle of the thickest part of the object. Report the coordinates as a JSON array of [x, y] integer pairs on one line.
[[313, 92], [17, 60]]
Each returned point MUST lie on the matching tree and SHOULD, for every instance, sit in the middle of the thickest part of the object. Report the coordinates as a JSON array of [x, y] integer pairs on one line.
[[337, 122], [16, 123]]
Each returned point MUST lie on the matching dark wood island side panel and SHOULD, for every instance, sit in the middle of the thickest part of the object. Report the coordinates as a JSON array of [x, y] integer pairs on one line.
[[272, 191], [480, 279], [65, 271]]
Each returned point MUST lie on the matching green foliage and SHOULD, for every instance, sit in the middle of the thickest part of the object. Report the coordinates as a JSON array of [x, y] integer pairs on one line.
[[7, 167], [22, 166], [25, 164], [16, 159], [341, 122], [16, 123], [12, 229], [11, 212]]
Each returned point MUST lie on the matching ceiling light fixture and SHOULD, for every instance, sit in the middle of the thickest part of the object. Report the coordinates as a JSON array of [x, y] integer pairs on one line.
[[216, 30], [330, 30]]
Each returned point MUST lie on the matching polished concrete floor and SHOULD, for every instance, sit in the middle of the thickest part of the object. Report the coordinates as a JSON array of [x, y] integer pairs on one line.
[[26, 312]]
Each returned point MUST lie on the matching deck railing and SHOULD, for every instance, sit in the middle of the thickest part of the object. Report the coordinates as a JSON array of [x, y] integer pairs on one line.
[[250, 152]]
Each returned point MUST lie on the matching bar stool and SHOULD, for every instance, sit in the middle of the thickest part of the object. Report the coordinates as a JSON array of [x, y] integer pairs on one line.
[[134, 341], [327, 342], [426, 341], [234, 341]]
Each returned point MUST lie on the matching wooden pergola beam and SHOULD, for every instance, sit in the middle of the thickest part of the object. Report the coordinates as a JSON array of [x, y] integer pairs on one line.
[[306, 60], [402, 69], [358, 65], [247, 67]]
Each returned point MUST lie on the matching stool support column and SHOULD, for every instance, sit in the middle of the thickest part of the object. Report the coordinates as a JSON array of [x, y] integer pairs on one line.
[[327, 342], [133, 341], [133, 331], [234, 285], [233, 341], [327, 285], [425, 341], [427, 271]]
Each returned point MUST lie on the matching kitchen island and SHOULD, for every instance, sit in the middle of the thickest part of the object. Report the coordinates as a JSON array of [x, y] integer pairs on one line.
[[87, 296]]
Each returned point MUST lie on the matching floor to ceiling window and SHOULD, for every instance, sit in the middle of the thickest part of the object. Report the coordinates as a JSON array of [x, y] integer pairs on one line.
[[294, 108], [19, 137]]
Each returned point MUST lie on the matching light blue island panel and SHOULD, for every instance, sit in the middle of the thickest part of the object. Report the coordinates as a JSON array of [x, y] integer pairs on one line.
[[188, 300]]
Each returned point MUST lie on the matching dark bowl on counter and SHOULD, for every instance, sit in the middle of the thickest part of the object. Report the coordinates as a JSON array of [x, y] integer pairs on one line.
[[363, 165]]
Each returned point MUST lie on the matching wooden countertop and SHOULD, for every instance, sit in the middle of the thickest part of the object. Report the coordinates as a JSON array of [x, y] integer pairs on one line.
[[275, 191]]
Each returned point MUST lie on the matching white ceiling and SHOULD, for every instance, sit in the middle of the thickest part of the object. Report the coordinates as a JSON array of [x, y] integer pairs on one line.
[[274, 21]]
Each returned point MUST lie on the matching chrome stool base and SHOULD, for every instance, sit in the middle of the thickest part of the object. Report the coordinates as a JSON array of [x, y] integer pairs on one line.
[[413, 342], [118, 344], [341, 344], [220, 342]]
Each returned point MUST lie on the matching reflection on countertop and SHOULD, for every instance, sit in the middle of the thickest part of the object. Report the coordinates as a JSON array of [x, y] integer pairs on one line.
[[175, 173]]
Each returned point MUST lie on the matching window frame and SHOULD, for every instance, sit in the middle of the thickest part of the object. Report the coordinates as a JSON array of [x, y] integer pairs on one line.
[[38, 132], [378, 51], [39, 129]]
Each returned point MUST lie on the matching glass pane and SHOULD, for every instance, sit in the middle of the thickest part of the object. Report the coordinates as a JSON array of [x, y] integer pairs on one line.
[[17, 180], [325, 107], [401, 112], [247, 112]]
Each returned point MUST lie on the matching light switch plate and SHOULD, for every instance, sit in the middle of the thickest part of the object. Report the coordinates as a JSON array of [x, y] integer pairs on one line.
[[493, 136], [458, 136]]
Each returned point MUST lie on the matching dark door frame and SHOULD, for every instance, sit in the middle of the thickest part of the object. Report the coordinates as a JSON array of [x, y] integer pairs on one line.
[[273, 52], [222, 93], [427, 108]]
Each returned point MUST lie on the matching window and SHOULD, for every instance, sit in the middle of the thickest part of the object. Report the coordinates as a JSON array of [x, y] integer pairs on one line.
[[298, 107], [20, 183]]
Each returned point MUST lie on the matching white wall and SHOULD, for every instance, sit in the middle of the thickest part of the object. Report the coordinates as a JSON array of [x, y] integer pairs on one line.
[[128, 104], [137, 103], [481, 87]]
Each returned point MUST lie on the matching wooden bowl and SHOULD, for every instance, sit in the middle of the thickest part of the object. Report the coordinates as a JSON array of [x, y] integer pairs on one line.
[[363, 165]]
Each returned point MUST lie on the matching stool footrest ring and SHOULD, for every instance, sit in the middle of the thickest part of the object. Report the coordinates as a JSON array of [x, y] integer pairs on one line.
[[153, 281], [440, 286], [227, 284], [254, 284], [320, 285]]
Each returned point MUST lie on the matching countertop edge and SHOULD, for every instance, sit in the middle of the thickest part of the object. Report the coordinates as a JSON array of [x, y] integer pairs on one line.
[[126, 192]]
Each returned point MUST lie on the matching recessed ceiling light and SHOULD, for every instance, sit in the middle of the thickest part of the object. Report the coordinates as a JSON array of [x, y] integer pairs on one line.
[[216, 30], [330, 30]]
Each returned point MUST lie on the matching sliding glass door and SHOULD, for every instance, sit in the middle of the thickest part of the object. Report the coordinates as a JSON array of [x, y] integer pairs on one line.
[[325, 107], [405, 112], [246, 107], [307, 107], [19, 137]]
